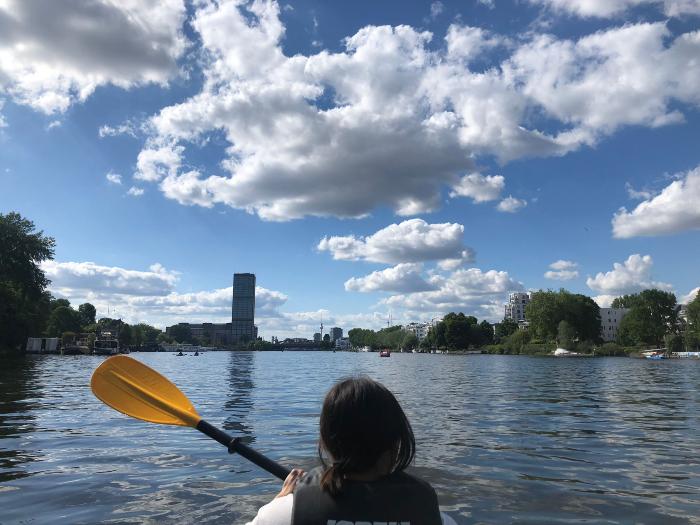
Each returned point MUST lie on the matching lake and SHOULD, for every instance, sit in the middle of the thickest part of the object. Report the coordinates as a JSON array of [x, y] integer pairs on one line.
[[503, 439]]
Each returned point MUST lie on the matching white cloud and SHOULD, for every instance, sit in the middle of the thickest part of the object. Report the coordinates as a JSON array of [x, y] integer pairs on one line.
[[488, 3], [692, 294], [436, 8], [413, 240], [67, 277], [632, 276], [562, 270], [611, 8], [467, 290], [135, 191], [113, 178], [604, 300], [53, 124], [404, 278], [674, 210], [406, 119], [479, 187], [511, 205], [55, 53], [637, 194], [126, 128]]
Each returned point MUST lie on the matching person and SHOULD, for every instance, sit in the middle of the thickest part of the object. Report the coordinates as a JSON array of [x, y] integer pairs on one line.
[[365, 444]]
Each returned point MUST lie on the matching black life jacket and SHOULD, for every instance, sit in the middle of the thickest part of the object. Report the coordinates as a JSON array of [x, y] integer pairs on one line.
[[397, 499]]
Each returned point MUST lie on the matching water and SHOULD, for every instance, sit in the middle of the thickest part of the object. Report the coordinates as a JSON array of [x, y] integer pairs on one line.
[[502, 439]]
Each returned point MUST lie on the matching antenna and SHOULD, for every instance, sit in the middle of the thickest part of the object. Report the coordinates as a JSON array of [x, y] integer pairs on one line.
[[388, 321], [321, 327]]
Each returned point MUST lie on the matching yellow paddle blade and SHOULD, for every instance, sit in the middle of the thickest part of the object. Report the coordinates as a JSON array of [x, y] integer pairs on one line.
[[129, 386]]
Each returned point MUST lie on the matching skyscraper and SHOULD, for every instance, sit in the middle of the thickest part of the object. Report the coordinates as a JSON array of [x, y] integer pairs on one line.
[[243, 308]]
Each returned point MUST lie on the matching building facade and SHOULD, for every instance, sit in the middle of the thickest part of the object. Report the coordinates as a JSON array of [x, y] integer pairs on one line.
[[343, 343], [336, 333], [610, 322], [243, 329], [420, 330], [515, 309]]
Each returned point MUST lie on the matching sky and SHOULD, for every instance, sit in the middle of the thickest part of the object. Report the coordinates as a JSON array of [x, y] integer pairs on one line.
[[370, 162]]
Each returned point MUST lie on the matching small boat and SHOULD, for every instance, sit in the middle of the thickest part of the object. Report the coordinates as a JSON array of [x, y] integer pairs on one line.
[[656, 356], [106, 344], [385, 353], [561, 352]]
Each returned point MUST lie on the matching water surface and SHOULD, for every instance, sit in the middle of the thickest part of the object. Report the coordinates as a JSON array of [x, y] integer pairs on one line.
[[503, 439]]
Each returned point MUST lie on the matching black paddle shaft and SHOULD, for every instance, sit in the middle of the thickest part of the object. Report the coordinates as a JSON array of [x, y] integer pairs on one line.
[[235, 445]]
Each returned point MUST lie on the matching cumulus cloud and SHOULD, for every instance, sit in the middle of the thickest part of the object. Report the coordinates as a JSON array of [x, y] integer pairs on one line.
[[55, 53], [126, 128], [637, 194], [413, 240], [479, 187], [562, 270], [466, 290], [394, 117], [135, 191], [436, 8], [611, 8], [690, 296], [403, 278], [511, 205], [632, 276], [674, 210], [67, 277], [113, 178]]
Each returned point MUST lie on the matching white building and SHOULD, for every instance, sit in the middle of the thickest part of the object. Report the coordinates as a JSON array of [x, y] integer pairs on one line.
[[515, 309], [610, 322], [342, 343], [420, 330]]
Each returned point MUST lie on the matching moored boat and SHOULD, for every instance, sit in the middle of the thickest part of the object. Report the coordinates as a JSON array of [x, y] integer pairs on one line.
[[385, 353], [106, 344]]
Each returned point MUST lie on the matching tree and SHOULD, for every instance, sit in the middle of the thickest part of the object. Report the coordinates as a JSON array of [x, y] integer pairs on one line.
[[55, 303], [88, 313], [547, 309], [63, 319], [181, 333], [504, 329], [410, 341], [326, 338], [24, 302], [457, 331], [653, 314], [692, 332], [125, 335], [565, 335], [486, 333]]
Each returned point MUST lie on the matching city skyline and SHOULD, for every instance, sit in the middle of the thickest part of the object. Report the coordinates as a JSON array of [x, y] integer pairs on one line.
[[398, 162]]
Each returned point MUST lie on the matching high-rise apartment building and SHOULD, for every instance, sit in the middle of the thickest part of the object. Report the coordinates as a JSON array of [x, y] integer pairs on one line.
[[243, 329], [336, 333], [515, 309]]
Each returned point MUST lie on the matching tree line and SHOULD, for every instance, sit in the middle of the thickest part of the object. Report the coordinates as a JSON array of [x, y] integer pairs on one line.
[[26, 307]]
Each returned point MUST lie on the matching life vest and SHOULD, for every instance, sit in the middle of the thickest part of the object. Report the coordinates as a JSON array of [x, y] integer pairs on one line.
[[397, 499]]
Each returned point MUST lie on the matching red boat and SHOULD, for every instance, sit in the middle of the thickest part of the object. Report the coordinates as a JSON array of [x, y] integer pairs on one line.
[[385, 353]]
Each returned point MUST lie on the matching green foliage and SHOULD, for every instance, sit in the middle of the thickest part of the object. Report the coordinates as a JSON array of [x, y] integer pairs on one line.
[[88, 313], [548, 308], [457, 331], [504, 329], [565, 335], [24, 302], [625, 301], [515, 342], [326, 338], [692, 332], [181, 333], [124, 335], [673, 343], [63, 319], [653, 314], [410, 341], [55, 303]]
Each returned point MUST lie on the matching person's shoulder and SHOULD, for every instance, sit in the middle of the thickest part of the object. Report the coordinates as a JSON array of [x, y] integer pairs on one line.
[[277, 512], [405, 477]]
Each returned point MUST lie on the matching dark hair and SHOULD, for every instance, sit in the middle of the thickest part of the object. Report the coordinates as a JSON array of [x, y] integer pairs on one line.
[[360, 421]]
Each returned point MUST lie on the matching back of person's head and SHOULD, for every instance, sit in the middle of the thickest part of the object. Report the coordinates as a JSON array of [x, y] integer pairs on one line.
[[361, 421]]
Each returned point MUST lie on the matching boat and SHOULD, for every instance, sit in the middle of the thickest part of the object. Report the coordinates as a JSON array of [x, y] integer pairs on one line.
[[106, 344], [656, 356], [385, 353], [561, 352]]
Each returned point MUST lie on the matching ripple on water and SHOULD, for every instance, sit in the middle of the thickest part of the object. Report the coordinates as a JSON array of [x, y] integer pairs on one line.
[[502, 439]]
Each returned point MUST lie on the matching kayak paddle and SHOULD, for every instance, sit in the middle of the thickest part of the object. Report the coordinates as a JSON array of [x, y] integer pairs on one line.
[[134, 389]]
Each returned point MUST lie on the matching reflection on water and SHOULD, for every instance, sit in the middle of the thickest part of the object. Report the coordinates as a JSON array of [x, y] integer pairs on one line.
[[502, 439], [239, 402]]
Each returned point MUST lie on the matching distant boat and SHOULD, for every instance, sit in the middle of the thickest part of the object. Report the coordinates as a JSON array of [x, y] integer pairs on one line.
[[106, 344], [385, 353], [656, 356], [561, 352]]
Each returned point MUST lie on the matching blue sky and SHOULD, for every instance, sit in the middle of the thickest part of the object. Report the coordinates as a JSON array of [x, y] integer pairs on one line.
[[362, 159]]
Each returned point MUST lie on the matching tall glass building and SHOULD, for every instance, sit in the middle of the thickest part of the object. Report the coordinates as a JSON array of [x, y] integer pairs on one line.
[[243, 308]]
